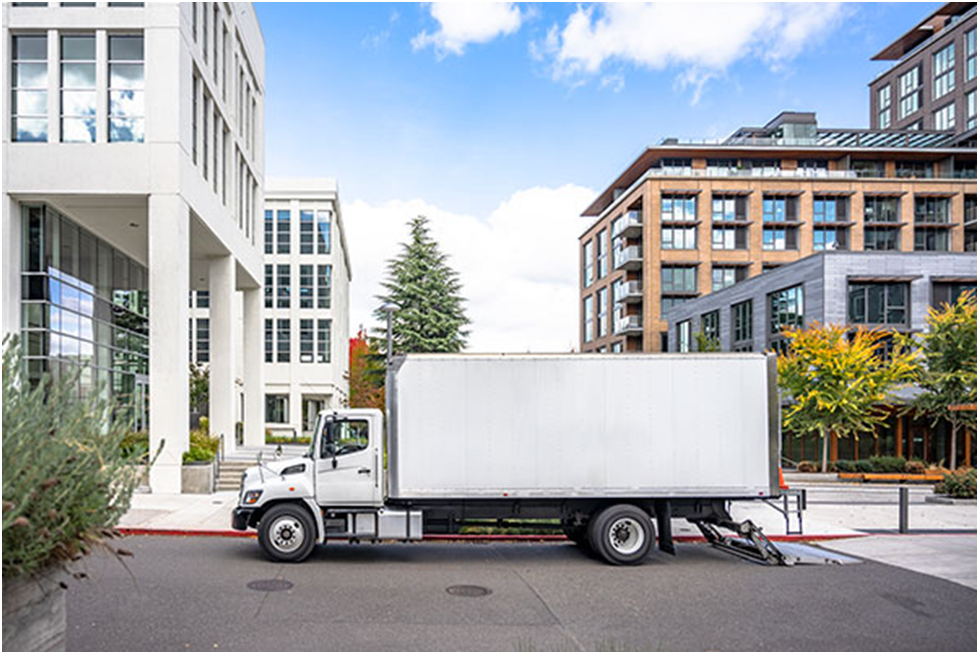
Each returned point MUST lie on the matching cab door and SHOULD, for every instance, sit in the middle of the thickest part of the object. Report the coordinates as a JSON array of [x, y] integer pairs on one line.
[[347, 467]]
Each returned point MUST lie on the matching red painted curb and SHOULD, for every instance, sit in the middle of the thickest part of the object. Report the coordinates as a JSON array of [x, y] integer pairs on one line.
[[231, 533]]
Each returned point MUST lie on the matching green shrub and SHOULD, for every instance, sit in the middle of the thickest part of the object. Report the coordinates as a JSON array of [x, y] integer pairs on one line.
[[66, 477], [197, 454], [136, 443], [863, 465], [915, 467], [286, 440], [958, 483], [844, 465], [888, 463], [199, 438]]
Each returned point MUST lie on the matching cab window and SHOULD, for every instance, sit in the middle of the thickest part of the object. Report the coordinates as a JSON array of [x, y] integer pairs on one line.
[[344, 437]]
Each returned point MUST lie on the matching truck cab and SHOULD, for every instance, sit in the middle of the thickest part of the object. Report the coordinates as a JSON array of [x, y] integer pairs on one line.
[[291, 500]]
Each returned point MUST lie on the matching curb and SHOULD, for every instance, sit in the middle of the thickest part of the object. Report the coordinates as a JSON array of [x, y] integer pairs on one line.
[[231, 533]]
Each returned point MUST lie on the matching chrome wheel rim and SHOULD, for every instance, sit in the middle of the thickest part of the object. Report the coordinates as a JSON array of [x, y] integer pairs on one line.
[[626, 536], [287, 534]]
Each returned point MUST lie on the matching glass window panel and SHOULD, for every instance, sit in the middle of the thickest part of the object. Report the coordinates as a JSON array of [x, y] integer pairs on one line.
[[30, 129], [30, 75], [78, 103], [126, 76], [126, 48], [77, 76], [31, 47], [126, 129], [126, 103], [31, 103], [78, 47]]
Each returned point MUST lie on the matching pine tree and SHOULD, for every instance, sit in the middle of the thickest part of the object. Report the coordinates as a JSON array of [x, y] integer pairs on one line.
[[430, 315]]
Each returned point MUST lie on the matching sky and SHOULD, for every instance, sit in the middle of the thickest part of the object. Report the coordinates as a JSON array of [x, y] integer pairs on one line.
[[500, 122]]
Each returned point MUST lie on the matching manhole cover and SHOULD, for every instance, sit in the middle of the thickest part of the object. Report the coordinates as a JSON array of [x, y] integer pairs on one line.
[[269, 585], [468, 591]]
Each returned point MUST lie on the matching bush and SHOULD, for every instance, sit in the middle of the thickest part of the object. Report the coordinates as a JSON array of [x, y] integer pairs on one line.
[[203, 447], [66, 476], [844, 465], [888, 463], [136, 443], [807, 466], [863, 465], [959, 483], [915, 467], [198, 455], [270, 439]]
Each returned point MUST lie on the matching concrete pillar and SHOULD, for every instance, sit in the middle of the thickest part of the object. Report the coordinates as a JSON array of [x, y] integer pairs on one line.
[[169, 283], [221, 397], [253, 344]]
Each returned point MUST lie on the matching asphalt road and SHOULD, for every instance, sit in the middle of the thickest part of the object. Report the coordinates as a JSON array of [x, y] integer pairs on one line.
[[192, 594]]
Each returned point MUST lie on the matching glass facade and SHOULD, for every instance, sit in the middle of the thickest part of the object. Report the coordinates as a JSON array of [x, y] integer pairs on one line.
[[785, 311], [84, 305]]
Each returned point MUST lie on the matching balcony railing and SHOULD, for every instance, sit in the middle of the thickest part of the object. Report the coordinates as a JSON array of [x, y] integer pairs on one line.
[[627, 292], [628, 325], [627, 258], [803, 173], [628, 224]]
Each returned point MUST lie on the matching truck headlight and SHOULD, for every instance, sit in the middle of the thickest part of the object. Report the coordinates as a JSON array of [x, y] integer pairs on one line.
[[251, 497]]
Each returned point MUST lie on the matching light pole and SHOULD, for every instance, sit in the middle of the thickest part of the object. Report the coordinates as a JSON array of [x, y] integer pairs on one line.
[[389, 308]]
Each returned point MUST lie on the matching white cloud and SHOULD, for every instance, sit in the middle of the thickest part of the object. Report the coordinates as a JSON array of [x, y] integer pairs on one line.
[[518, 267], [702, 40], [462, 23]]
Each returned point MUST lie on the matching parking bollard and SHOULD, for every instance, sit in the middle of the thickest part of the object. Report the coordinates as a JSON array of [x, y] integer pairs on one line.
[[902, 500]]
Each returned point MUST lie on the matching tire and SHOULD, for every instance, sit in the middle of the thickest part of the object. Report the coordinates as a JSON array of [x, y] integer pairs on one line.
[[287, 533], [622, 534]]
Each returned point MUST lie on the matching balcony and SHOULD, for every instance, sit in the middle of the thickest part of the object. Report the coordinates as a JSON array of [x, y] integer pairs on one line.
[[627, 258], [627, 292], [628, 225], [628, 326]]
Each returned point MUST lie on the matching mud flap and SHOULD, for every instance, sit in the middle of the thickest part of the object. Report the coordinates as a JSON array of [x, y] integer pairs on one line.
[[664, 527]]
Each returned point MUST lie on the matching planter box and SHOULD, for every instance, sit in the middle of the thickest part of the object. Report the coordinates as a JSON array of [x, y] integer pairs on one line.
[[891, 477], [34, 613], [197, 478]]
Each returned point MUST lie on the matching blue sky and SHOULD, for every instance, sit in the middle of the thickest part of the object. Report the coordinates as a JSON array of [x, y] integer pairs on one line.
[[455, 113]]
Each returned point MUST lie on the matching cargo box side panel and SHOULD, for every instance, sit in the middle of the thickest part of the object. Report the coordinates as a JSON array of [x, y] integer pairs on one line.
[[566, 426]]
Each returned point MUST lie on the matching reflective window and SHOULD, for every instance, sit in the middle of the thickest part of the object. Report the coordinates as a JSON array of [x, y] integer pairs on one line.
[[679, 279], [742, 329], [910, 87], [944, 118], [323, 232], [283, 343], [678, 207], [283, 231], [284, 285], [29, 82], [276, 406], [878, 304], [785, 310], [269, 231], [344, 437], [603, 312], [943, 65], [306, 340], [324, 331], [306, 287], [324, 286], [78, 88], [588, 318], [306, 231], [126, 84], [884, 107]]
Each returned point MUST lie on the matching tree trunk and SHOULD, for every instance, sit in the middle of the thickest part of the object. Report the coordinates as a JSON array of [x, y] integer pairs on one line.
[[825, 434]]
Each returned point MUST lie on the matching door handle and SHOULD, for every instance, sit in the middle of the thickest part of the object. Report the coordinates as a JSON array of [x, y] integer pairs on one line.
[[364, 471]]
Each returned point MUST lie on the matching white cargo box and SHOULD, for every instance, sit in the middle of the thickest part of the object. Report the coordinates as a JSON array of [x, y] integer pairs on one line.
[[562, 426]]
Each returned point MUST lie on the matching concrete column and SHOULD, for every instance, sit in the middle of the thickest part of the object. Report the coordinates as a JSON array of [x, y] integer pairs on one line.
[[169, 283], [221, 397], [253, 337]]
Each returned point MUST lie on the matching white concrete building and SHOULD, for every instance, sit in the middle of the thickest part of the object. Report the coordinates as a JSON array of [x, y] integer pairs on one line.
[[133, 150], [307, 282]]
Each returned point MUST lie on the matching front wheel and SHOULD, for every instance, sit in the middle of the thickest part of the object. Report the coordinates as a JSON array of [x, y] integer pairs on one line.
[[287, 533], [622, 534]]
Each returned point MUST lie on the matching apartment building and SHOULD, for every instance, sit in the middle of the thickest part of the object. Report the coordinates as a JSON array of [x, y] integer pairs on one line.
[[133, 156], [880, 290], [306, 299], [932, 82], [688, 218]]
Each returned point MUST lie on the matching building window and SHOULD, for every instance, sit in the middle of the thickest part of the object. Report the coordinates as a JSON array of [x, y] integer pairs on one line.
[[868, 168], [830, 238], [588, 318], [276, 406], [729, 208], [679, 279], [284, 285], [674, 237], [913, 169], [203, 299], [881, 209], [943, 293], [283, 231], [910, 85], [324, 331], [830, 209], [269, 286], [203, 340], [683, 336], [283, 343], [324, 286], [306, 343], [601, 245], [29, 81], [306, 287], [588, 254], [970, 223], [725, 276], [931, 210], [126, 101], [931, 222], [881, 238], [323, 232], [668, 302], [779, 238], [779, 209], [729, 238], [678, 208], [617, 347], [970, 55], [269, 231], [884, 107], [306, 231], [878, 304], [970, 109], [741, 327], [710, 325], [603, 312], [78, 88], [269, 340], [931, 240], [944, 67], [785, 311], [944, 118]]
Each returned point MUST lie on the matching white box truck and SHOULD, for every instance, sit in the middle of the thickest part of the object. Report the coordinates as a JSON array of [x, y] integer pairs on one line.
[[608, 445]]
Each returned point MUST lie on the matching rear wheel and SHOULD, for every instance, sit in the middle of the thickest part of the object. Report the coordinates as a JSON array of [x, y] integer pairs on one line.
[[287, 533], [622, 534]]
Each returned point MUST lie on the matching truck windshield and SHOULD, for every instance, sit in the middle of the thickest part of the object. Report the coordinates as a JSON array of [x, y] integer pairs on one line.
[[344, 437]]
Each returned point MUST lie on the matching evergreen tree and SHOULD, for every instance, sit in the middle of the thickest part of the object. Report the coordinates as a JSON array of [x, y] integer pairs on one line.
[[430, 315]]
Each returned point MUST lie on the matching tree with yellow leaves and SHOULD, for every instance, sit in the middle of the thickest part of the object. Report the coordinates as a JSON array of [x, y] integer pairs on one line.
[[837, 380]]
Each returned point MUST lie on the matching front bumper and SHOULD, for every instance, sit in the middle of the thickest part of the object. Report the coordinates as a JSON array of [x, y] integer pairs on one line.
[[240, 518]]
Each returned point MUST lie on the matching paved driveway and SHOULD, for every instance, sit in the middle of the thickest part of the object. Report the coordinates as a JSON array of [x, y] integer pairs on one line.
[[193, 594]]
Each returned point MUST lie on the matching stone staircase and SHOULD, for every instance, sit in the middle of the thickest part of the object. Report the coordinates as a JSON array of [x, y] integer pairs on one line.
[[229, 474]]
